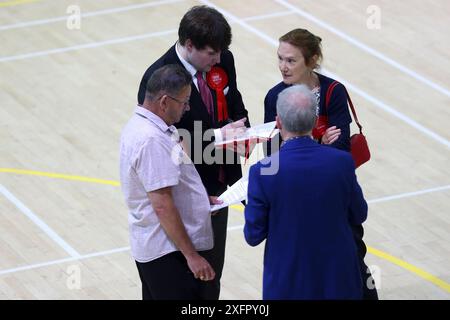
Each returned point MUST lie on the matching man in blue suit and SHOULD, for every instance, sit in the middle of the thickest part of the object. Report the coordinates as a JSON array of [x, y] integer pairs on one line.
[[304, 210]]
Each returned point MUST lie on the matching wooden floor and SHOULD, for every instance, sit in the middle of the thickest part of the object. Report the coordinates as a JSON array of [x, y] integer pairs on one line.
[[66, 94]]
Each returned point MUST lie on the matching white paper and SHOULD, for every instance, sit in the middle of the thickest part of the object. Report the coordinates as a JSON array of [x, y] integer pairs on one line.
[[262, 131], [234, 194]]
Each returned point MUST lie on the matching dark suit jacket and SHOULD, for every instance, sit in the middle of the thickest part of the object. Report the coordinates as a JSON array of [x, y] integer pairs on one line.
[[305, 211], [198, 112]]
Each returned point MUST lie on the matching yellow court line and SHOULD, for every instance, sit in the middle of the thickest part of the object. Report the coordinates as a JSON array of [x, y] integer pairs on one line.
[[239, 207], [405, 265], [402, 264], [16, 2], [60, 176]]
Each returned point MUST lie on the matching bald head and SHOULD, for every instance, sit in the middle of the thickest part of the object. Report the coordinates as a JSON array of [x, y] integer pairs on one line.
[[296, 109]]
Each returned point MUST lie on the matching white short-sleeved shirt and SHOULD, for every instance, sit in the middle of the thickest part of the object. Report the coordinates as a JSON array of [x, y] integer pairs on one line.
[[151, 159]]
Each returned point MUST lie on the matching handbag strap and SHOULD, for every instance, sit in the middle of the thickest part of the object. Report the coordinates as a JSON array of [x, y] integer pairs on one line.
[[328, 97]]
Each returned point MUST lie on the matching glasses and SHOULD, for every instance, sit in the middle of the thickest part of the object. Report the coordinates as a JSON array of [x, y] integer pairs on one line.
[[184, 103]]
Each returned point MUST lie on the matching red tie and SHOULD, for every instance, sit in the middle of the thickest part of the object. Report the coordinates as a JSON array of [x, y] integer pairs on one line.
[[205, 93], [208, 101]]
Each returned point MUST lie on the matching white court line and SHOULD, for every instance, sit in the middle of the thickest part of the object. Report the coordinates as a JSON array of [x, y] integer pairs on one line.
[[87, 45], [365, 48], [233, 228], [262, 35], [41, 224], [409, 194], [364, 94], [304, 14], [269, 16], [390, 110], [241, 22], [104, 43], [293, 9], [87, 15], [49, 263], [383, 199]]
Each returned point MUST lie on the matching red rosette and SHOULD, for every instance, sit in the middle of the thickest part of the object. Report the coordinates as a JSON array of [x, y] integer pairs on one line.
[[217, 79]]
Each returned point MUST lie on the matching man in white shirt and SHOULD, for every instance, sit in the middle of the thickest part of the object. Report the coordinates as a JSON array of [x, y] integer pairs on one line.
[[169, 210]]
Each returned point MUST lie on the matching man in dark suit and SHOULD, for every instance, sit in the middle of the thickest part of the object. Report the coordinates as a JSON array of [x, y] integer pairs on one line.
[[305, 210], [204, 36]]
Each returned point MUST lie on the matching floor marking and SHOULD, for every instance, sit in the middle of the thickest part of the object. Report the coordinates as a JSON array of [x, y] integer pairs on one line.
[[370, 98], [86, 15], [15, 3], [59, 176], [41, 224], [87, 45], [365, 48], [53, 262]]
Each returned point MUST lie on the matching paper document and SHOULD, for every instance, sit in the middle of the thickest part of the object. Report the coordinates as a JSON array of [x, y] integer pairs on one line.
[[263, 132], [234, 194]]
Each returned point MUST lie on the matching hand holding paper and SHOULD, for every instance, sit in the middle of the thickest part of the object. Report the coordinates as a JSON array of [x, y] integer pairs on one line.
[[243, 141], [213, 200], [234, 132], [234, 129], [234, 194]]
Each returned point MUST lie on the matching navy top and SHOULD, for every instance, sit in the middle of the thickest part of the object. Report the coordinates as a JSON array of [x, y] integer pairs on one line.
[[338, 113]]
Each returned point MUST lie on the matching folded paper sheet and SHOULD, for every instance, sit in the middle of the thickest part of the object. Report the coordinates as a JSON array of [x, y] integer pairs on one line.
[[259, 133], [234, 194]]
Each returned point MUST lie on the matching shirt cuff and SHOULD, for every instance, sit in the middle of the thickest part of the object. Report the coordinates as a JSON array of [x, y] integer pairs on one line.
[[218, 135]]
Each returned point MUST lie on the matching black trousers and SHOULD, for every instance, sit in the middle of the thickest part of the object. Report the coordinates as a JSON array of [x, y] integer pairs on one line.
[[169, 278], [216, 256], [369, 290]]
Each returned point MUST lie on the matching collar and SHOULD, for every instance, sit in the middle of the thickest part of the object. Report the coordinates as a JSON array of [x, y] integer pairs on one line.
[[296, 141], [189, 67], [141, 111]]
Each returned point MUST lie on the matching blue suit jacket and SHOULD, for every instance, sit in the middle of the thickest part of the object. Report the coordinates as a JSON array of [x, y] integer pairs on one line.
[[304, 212]]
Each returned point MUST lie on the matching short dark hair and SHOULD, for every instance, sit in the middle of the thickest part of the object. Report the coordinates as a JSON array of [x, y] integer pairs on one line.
[[205, 26], [169, 79], [308, 43]]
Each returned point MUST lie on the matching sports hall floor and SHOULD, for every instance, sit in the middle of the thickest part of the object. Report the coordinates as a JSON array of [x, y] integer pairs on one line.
[[66, 93]]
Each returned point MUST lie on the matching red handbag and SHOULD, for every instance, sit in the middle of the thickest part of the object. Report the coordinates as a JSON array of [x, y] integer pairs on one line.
[[358, 142]]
